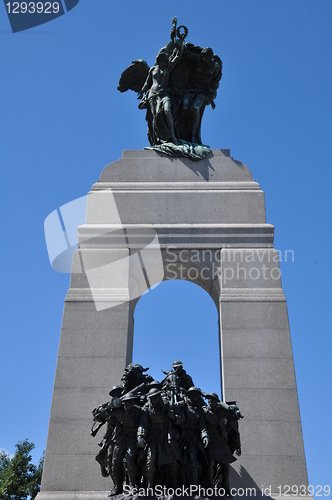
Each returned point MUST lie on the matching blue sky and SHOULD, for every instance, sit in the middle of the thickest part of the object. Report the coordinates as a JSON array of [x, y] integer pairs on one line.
[[63, 121]]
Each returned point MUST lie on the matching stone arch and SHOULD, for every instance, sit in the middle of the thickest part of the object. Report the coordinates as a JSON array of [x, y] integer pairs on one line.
[[200, 266], [210, 204]]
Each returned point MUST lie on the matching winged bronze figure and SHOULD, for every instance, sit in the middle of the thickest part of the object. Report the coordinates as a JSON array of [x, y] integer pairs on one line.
[[175, 92]]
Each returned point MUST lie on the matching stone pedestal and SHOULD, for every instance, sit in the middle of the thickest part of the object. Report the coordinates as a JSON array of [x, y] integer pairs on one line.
[[142, 215]]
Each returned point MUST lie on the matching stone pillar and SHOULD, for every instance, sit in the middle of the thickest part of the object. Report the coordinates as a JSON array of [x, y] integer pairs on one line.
[[144, 205], [258, 370]]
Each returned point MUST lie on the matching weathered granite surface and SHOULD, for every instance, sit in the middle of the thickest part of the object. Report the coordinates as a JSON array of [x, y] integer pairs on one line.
[[213, 205]]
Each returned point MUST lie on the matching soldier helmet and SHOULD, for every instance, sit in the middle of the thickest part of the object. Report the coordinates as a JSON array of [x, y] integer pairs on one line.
[[116, 391], [153, 392], [134, 366], [137, 367], [194, 389], [155, 383], [128, 396], [212, 395], [176, 363]]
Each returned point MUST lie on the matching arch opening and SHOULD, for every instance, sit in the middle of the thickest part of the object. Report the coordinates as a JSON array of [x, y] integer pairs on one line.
[[179, 320]]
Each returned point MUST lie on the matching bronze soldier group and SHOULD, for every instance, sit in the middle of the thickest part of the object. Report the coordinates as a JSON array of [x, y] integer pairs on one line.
[[165, 433]]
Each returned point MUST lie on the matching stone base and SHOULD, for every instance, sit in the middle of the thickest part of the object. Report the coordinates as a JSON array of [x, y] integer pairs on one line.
[[103, 495], [210, 215], [72, 495]]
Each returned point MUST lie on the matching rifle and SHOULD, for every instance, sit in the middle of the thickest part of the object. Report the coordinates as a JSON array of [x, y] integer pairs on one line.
[[95, 430], [100, 417]]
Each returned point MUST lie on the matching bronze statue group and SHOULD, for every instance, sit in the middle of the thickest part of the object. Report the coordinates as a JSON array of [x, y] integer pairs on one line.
[[167, 433], [174, 92]]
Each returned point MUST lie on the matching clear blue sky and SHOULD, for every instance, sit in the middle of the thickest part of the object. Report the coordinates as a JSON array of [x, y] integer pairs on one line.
[[63, 120]]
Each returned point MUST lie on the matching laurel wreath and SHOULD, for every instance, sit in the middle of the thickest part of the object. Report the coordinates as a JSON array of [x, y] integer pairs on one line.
[[184, 33]]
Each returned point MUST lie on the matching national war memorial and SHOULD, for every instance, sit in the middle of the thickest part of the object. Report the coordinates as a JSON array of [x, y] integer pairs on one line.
[[176, 194]]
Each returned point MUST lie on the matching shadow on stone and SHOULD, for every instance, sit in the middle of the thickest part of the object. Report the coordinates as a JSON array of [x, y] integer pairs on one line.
[[243, 482], [201, 169]]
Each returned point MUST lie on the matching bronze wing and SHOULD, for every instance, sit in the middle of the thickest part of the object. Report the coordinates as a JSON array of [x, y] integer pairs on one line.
[[133, 78]]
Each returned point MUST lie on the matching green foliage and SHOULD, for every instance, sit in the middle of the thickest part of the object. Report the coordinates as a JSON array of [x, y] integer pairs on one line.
[[19, 478]]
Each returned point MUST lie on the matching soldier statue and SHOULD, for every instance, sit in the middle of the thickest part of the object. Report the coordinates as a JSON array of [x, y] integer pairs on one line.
[[156, 433], [163, 433]]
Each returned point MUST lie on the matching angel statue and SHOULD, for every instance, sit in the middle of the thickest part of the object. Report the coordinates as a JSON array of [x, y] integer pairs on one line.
[[175, 92], [157, 97]]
